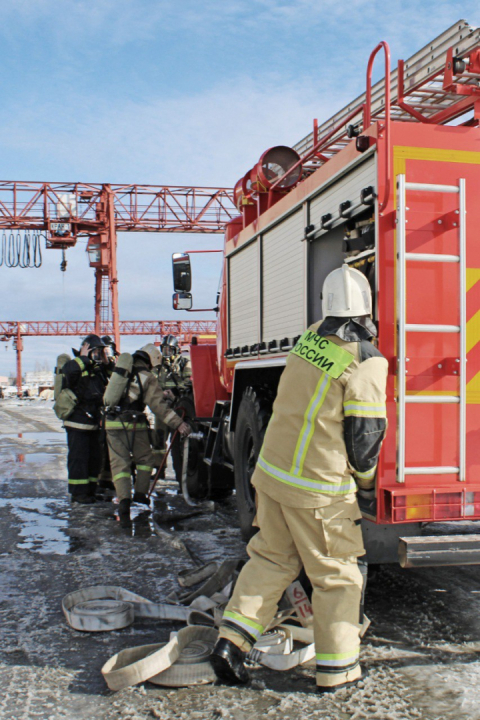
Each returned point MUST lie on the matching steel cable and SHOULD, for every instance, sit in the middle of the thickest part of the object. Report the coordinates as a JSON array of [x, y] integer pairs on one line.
[[37, 249]]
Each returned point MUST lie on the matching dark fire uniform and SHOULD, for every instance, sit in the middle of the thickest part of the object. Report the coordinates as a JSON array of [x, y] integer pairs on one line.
[[88, 381]]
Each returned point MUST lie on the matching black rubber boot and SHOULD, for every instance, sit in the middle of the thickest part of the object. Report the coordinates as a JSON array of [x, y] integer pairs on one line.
[[92, 490], [124, 513], [334, 688], [83, 499], [227, 661], [141, 499]]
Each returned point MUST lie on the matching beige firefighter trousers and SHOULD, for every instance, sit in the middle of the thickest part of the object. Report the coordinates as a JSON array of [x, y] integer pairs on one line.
[[120, 443], [327, 542]]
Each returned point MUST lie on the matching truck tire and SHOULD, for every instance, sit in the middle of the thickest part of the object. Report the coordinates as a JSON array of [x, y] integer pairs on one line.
[[197, 472], [252, 420]]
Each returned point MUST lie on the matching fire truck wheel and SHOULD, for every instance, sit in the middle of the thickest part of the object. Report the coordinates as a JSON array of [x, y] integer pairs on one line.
[[197, 473], [252, 421]]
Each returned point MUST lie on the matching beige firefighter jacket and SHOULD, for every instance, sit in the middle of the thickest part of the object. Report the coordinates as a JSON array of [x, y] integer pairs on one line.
[[325, 433], [150, 393]]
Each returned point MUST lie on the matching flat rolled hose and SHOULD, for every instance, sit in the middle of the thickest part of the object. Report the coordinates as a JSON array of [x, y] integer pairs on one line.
[[108, 607], [182, 661], [287, 659]]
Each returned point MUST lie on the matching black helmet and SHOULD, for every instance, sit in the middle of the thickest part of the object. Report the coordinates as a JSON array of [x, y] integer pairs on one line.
[[109, 342], [94, 341]]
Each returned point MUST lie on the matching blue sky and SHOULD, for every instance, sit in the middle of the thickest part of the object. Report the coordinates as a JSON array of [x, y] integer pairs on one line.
[[171, 92]]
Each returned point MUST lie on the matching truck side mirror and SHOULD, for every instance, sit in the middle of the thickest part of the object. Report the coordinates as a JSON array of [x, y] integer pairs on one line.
[[182, 273], [182, 301]]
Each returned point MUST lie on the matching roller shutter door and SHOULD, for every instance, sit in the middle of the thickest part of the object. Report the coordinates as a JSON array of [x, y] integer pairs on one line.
[[284, 279], [244, 297]]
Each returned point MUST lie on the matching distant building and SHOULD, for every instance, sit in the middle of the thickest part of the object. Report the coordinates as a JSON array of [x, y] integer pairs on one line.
[[4, 381], [39, 377]]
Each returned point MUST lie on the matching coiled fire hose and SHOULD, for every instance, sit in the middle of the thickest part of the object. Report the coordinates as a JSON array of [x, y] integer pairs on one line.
[[109, 607], [183, 660]]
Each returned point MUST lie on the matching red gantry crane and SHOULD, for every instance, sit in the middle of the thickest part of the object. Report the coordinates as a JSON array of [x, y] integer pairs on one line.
[[183, 329], [64, 212]]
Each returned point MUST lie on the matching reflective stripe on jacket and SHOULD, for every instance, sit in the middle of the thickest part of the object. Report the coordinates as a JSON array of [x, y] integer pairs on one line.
[[327, 404]]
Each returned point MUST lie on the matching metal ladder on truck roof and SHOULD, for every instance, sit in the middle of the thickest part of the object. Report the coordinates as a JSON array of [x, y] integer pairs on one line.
[[421, 76], [404, 328]]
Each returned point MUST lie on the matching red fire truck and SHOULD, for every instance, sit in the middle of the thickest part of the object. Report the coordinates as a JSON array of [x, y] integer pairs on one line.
[[390, 186]]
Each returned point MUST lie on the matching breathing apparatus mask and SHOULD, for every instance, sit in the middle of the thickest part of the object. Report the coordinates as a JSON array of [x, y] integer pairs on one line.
[[96, 354], [109, 352]]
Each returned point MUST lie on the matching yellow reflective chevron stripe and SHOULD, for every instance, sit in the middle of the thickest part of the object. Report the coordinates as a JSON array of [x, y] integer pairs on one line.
[[81, 365], [147, 468], [78, 482], [332, 657], [320, 486], [337, 662], [117, 425], [252, 628], [306, 432], [121, 475], [364, 409], [367, 475]]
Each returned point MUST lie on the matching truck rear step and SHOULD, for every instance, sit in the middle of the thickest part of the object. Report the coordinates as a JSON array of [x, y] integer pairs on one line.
[[432, 550]]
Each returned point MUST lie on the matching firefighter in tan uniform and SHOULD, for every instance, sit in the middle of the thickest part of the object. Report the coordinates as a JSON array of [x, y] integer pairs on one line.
[[322, 442], [128, 431], [164, 373]]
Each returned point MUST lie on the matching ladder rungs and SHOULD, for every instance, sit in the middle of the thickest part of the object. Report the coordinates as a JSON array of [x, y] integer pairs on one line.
[[433, 328], [438, 399], [442, 470], [432, 257], [428, 187]]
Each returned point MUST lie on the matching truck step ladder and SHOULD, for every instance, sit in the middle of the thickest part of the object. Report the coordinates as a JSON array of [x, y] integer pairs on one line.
[[404, 328]]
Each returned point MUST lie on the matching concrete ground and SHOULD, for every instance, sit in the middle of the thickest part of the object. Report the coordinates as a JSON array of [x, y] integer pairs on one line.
[[421, 650]]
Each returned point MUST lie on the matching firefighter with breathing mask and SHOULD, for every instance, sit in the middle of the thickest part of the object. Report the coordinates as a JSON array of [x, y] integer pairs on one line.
[[321, 445], [131, 388], [85, 376], [110, 353]]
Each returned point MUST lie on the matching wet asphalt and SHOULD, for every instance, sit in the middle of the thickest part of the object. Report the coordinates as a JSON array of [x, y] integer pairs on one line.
[[422, 650]]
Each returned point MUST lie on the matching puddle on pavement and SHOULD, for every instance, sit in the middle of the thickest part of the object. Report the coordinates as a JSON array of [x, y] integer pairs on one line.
[[44, 438], [41, 531], [39, 458]]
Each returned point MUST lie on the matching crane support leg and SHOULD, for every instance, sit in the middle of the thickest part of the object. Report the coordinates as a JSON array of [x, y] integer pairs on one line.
[[98, 301], [112, 269], [18, 349]]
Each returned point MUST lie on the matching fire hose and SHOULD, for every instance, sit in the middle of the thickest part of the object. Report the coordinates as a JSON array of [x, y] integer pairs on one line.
[[109, 607], [164, 459], [182, 661]]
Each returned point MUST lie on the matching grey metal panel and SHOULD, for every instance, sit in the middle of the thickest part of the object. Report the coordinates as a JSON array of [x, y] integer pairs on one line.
[[347, 188], [284, 279], [244, 296]]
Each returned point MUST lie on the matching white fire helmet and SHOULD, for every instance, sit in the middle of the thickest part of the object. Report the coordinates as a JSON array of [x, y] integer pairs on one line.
[[153, 353], [346, 293]]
